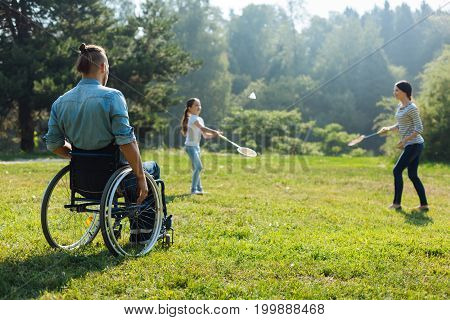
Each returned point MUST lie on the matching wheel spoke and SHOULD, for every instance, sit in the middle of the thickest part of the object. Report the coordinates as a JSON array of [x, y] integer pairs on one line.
[[66, 228], [139, 224]]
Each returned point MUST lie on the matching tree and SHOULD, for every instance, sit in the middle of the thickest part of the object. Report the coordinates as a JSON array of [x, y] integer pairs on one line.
[[434, 101], [296, 13], [32, 49], [386, 21], [350, 98], [200, 30], [281, 93], [147, 62], [401, 51], [313, 38], [39, 42], [256, 45], [22, 46], [433, 34], [418, 45]]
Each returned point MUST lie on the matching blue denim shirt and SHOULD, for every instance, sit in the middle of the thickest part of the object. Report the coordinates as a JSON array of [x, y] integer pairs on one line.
[[90, 117]]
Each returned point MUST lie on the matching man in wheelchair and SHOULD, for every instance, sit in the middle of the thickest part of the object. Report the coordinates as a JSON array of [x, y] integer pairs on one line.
[[90, 126]]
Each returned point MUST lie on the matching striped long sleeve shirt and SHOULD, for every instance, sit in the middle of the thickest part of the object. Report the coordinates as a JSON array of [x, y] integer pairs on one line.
[[408, 121]]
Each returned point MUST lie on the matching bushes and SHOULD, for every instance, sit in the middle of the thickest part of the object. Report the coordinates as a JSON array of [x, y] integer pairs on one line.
[[283, 132], [290, 145], [333, 139]]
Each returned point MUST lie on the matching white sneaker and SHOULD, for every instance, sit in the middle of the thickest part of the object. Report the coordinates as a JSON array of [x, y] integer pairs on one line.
[[395, 207], [421, 209]]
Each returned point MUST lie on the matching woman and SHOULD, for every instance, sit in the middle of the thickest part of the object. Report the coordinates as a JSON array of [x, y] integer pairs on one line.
[[410, 127], [193, 128]]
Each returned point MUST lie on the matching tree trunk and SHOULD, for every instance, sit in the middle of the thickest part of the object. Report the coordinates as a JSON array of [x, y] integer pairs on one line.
[[26, 122], [26, 127]]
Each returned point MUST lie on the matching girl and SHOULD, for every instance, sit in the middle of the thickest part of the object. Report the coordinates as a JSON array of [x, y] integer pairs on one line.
[[410, 127], [193, 128]]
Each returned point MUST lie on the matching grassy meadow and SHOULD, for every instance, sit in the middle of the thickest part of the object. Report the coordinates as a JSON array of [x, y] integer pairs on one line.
[[272, 227]]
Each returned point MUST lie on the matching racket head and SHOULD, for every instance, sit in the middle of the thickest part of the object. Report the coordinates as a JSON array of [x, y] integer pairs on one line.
[[247, 152], [356, 141]]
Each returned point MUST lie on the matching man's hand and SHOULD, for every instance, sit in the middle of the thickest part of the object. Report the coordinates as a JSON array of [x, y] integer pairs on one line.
[[142, 189], [131, 153], [64, 151]]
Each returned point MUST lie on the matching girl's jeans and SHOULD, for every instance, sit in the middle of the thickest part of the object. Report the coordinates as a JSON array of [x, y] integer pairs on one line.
[[194, 155]]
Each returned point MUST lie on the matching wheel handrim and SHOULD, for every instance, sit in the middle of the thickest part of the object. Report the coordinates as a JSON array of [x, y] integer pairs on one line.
[[68, 229], [122, 244]]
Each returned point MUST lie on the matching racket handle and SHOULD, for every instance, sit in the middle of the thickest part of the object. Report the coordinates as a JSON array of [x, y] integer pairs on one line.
[[371, 135], [228, 140]]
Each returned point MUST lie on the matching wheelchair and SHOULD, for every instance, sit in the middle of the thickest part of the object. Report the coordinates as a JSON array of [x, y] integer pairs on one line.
[[97, 191]]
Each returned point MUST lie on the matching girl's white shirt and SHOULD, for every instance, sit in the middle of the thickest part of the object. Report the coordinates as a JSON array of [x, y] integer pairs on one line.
[[194, 134]]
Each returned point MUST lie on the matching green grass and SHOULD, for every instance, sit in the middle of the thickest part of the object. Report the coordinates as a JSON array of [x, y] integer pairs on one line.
[[270, 228], [20, 155]]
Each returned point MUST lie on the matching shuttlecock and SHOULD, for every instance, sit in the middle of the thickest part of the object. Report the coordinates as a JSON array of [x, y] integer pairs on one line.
[[252, 96]]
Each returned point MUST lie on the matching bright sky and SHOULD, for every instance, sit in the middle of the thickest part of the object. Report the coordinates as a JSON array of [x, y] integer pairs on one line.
[[322, 7]]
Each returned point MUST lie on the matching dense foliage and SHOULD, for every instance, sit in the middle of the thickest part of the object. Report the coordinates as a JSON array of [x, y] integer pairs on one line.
[[336, 70]]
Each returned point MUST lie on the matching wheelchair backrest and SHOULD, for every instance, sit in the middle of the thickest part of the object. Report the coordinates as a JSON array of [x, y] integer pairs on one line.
[[90, 170]]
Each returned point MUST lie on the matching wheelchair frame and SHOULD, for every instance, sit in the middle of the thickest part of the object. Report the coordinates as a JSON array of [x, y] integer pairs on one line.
[[109, 215]]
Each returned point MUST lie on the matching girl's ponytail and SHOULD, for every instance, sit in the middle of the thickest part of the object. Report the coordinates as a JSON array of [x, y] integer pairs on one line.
[[184, 120]]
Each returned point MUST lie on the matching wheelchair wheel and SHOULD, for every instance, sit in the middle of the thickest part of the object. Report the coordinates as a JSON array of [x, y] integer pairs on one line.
[[67, 225], [129, 229]]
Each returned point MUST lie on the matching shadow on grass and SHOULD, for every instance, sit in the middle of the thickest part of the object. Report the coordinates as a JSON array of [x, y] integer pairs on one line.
[[415, 217], [170, 199], [29, 278]]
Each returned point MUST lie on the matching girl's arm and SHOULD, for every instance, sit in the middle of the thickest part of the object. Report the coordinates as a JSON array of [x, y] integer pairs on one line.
[[206, 132]]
